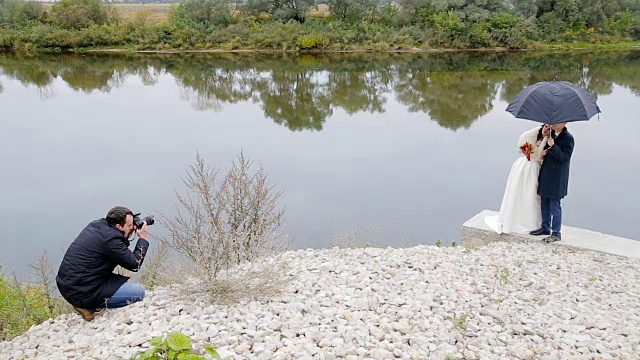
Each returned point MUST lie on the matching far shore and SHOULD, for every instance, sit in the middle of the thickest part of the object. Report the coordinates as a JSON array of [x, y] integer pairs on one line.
[[543, 49]]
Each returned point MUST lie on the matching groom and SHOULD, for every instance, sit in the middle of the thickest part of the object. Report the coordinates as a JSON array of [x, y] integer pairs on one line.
[[553, 181]]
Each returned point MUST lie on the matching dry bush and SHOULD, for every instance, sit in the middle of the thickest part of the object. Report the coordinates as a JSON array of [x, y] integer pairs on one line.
[[44, 272], [160, 268], [151, 13], [355, 237], [228, 229], [46, 280], [141, 17]]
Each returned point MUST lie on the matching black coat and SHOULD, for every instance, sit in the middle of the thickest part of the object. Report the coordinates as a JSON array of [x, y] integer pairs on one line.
[[85, 278], [553, 181]]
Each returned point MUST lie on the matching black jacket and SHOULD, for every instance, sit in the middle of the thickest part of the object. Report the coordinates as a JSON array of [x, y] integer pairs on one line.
[[553, 181], [85, 278]]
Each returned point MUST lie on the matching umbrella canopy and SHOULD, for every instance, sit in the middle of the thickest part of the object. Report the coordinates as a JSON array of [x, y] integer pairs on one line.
[[553, 102]]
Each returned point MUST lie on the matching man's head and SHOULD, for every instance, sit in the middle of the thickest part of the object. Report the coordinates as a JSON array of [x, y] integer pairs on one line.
[[121, 218], [559, 127]]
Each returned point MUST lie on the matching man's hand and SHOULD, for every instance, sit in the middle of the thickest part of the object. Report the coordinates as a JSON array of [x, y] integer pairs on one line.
[[544, 153], [142, 232], [550, 142]]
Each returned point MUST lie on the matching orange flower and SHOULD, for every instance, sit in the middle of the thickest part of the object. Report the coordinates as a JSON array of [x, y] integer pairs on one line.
[[527, 150]]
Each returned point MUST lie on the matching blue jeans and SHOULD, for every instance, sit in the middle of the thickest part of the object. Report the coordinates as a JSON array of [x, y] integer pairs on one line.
[[127, 294], [551, 215]]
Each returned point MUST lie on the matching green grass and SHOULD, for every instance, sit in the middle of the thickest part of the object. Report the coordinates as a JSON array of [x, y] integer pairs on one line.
[[24, 305], [623, 45]]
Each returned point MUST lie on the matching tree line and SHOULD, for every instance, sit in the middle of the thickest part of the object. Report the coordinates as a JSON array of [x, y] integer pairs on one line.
[[321, 25]]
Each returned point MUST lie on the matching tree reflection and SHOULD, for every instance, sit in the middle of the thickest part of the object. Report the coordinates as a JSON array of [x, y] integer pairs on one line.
[[452, 99], [302, 92], [208, 88], [359, 91], [297, 100], [88, 78]]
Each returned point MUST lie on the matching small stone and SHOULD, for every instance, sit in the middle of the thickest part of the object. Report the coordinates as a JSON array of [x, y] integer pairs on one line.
[[337, 342], [324, 343], [468, 354]]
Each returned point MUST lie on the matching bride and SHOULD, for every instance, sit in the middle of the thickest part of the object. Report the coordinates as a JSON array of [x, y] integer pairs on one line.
[[520, 209]]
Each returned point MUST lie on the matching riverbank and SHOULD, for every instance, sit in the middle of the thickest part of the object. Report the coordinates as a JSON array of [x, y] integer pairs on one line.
[[503, 300], [307, 25], [540, 48]]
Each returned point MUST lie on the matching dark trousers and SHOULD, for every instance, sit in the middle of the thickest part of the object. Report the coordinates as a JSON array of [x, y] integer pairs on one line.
[[551, 215]]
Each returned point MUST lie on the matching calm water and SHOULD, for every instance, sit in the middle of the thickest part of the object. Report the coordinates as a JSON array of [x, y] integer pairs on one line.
[[402, 148]]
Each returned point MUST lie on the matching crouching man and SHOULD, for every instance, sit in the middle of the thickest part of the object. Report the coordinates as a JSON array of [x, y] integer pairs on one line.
[[85, 277]]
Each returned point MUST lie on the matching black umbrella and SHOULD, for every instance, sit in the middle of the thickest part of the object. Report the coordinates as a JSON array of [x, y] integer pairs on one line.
[[553, 102]]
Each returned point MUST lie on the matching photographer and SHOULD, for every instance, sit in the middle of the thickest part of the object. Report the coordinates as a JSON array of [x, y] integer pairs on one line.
[[86, 279]]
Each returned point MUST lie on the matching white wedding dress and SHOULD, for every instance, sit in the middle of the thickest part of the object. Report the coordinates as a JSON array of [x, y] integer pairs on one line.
[[520, 209]]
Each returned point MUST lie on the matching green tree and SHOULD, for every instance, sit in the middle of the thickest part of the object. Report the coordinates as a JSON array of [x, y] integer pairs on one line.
[[16, 13], [281, 10], [78, 14], [353, 10], [214, 12]]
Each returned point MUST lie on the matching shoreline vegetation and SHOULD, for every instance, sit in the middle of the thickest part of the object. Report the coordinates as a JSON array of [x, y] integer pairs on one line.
[[543, 48], [322, 27]]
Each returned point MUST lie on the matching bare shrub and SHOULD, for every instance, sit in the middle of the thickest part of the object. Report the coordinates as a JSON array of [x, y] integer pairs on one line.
[[228, 228], [44, 272], [161, 267], [141, 18], [156, 268], [355, 237], [46, 280]]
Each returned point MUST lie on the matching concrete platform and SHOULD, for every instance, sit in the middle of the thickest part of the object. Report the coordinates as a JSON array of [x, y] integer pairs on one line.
[[475, 232]]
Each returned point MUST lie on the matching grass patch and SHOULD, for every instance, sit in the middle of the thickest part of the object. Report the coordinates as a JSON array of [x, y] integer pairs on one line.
[[23, 305]]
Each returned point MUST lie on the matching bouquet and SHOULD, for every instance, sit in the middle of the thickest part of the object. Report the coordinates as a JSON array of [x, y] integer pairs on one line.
[[527, 150]]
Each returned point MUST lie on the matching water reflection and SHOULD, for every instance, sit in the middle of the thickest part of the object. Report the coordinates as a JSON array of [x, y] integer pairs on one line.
[[302, 92], [373, 141]]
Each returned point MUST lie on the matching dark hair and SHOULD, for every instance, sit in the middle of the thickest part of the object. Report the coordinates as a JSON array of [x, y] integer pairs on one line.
[[118, 215], [540, 133]]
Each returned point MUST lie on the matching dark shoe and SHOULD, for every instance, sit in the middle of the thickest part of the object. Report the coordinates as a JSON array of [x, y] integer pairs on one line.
[[552, 238], [86, 314], [540, 232]]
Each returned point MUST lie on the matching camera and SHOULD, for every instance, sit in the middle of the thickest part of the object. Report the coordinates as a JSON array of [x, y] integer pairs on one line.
[[138, 222]]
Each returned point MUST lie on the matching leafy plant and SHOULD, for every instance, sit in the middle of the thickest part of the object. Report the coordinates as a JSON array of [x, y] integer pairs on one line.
[[313, 42], [79, 14], [24, 304], [174, 346], [504, 278], [461, 322]]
